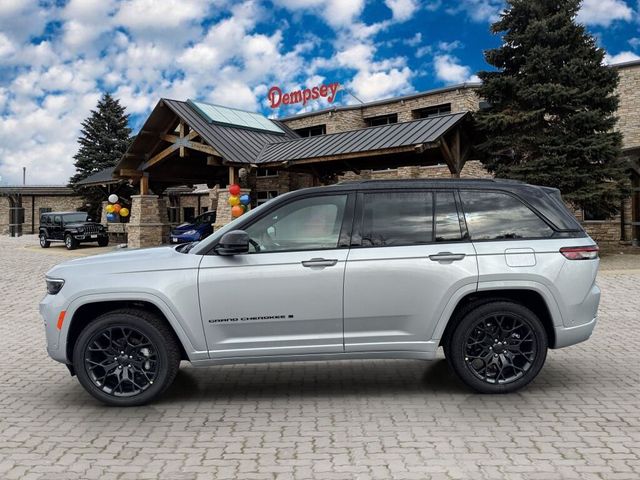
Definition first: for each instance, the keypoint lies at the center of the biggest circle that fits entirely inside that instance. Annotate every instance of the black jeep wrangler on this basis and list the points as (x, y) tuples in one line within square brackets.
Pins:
[(70, 228)]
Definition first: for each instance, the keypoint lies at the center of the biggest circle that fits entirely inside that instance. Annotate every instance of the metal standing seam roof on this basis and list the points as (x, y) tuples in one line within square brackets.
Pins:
[(416, 132), (235, 144)]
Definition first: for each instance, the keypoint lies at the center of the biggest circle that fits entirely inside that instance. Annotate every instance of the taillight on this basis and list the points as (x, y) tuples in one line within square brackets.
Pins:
[(580, 253)]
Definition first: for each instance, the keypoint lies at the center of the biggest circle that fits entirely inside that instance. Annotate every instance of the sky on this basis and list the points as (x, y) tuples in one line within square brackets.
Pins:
[(57, 57)]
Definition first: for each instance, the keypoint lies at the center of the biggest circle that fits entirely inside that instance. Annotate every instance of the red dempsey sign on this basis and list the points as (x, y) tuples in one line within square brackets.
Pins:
[(277, 98)]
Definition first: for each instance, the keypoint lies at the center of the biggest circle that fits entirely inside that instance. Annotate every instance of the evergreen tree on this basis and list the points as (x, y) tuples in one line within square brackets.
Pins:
[(552, 106), (103, 140)]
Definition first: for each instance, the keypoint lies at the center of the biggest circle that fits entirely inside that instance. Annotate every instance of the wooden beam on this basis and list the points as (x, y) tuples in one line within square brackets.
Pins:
[(214, 160), (130, 173), (232, 175), (447, 154), (182, 128), (201, 147), (144, 184), (160, 156)]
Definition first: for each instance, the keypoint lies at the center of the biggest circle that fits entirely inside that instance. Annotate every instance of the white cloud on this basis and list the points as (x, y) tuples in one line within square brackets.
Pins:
[(402, 10), (449, 70), (478, 10), (337, 13), (604, 12), (621, 57)]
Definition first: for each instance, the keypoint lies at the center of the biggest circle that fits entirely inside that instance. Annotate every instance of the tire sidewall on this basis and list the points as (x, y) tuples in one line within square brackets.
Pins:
[(125, 320), (43, 241), (69, 242), (468, 322)]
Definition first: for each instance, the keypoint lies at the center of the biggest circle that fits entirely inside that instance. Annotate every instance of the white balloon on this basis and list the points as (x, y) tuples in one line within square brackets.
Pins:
[(113, 198)]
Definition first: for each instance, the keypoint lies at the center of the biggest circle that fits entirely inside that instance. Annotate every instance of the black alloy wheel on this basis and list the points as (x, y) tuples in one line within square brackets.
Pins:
[(121, 361), (126, 357), (498, 347)]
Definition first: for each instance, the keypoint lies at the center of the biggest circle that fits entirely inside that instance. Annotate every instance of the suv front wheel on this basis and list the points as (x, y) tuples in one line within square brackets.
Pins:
[(44, 243), (126, 357), (70, 242), (498, 347)]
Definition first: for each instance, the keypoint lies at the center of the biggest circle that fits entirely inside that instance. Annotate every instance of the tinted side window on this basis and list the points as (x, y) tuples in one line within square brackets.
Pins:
[(397, 218), (306, 224), (447, 220), (498, 216)]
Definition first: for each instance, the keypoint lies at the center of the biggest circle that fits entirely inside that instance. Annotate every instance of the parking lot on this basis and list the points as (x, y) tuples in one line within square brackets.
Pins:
[(580, 419)]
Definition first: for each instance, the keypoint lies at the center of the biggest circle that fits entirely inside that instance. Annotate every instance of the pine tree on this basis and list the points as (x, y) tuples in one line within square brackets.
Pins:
[(552, 105), (103, 140)]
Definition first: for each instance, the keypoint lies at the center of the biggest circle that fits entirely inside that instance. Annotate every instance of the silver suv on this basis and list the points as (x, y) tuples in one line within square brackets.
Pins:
[(493, 271)]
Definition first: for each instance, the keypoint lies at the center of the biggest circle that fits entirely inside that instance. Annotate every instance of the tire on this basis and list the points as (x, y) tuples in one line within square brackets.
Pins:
[(153, 364), (70, 242), (44, 243), (497, 347), (103, 242)]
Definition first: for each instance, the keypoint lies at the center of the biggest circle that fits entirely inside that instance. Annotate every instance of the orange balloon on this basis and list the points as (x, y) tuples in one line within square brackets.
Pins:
[(117, 207), (236, 211)]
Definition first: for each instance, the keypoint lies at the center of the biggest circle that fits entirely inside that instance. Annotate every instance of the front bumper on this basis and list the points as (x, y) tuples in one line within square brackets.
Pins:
[(50, 308), (91, 237)]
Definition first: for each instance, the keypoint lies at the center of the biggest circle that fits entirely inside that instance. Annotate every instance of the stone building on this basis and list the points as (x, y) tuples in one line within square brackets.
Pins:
[(22, 205)]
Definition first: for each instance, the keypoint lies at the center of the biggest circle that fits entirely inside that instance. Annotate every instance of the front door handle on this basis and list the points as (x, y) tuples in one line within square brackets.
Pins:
[(446, 257), (320, 262)]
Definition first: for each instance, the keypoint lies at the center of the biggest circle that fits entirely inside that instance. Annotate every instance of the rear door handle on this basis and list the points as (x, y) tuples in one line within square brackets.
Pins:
[(320, 262), (446, 257)]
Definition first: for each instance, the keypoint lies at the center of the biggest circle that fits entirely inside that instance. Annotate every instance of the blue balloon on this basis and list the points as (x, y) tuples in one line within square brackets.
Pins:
[(112, 217), (245, 199)]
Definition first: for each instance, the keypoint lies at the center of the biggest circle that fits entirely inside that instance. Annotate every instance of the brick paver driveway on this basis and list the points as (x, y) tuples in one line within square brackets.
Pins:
[(358, 419)]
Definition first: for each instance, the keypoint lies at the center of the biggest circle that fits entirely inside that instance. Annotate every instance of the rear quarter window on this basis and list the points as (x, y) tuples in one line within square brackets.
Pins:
[(500, 216)]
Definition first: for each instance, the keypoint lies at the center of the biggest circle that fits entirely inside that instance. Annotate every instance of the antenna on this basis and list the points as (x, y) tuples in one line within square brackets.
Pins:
[(345, 90)]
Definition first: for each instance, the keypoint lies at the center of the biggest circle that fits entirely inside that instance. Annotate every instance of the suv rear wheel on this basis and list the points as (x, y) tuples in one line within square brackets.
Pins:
[(126, 357), (44, 243), (70, 242), (498, 347)]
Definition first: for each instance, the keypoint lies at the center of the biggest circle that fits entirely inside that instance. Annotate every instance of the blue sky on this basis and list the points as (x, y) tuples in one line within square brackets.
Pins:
[(56, 57)]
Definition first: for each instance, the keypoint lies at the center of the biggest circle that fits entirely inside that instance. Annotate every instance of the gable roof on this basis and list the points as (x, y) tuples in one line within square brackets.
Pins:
[(101, 177), (405, 134)]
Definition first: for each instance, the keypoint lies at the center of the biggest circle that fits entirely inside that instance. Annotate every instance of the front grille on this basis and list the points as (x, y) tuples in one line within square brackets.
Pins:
[(91, 228)]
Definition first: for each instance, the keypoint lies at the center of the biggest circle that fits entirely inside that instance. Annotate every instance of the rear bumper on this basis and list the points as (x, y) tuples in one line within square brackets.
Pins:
[(566, 336)]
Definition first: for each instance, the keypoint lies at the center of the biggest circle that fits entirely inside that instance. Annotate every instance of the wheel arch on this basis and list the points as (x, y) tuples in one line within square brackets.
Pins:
[(530, 298), (84, 313)]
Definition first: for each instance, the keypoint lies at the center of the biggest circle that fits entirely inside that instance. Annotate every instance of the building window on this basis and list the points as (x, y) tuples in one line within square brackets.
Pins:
[(311, 131), (266, 196), (266, 172), (188, 214), (431, 111), (382, 120), (594, 214), (203, 210)]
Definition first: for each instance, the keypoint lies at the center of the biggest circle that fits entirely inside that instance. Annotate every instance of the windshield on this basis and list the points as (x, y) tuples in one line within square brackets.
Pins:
[(205, 244), (75, 217)]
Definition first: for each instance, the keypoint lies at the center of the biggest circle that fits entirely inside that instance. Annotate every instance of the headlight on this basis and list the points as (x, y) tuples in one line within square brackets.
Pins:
[(80, 229), (54, 285)]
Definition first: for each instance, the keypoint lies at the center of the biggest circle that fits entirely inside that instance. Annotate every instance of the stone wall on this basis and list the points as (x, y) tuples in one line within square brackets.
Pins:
[(629, 108), (57, 203), (149, 224), (339, 120)]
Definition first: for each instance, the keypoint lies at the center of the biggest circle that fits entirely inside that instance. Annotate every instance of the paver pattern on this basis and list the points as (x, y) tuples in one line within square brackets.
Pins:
[(580, 419)]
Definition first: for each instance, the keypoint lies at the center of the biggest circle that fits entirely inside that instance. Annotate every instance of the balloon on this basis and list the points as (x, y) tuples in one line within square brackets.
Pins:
[(109, 208), (236, 211), (113, 198), (117, 207), (124, 212), (245, 199), (234, 200), (111, 217), (234, 189), (244, 207)]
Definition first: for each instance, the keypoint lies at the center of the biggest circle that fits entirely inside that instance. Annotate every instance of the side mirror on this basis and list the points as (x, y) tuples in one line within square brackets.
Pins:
[(233, 243)]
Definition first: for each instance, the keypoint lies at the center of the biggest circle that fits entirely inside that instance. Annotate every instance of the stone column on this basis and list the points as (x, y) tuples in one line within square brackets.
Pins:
[(223, 210), (149, 224)]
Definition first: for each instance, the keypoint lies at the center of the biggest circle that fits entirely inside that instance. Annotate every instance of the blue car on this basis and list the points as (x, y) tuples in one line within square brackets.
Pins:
[(201, 227)]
